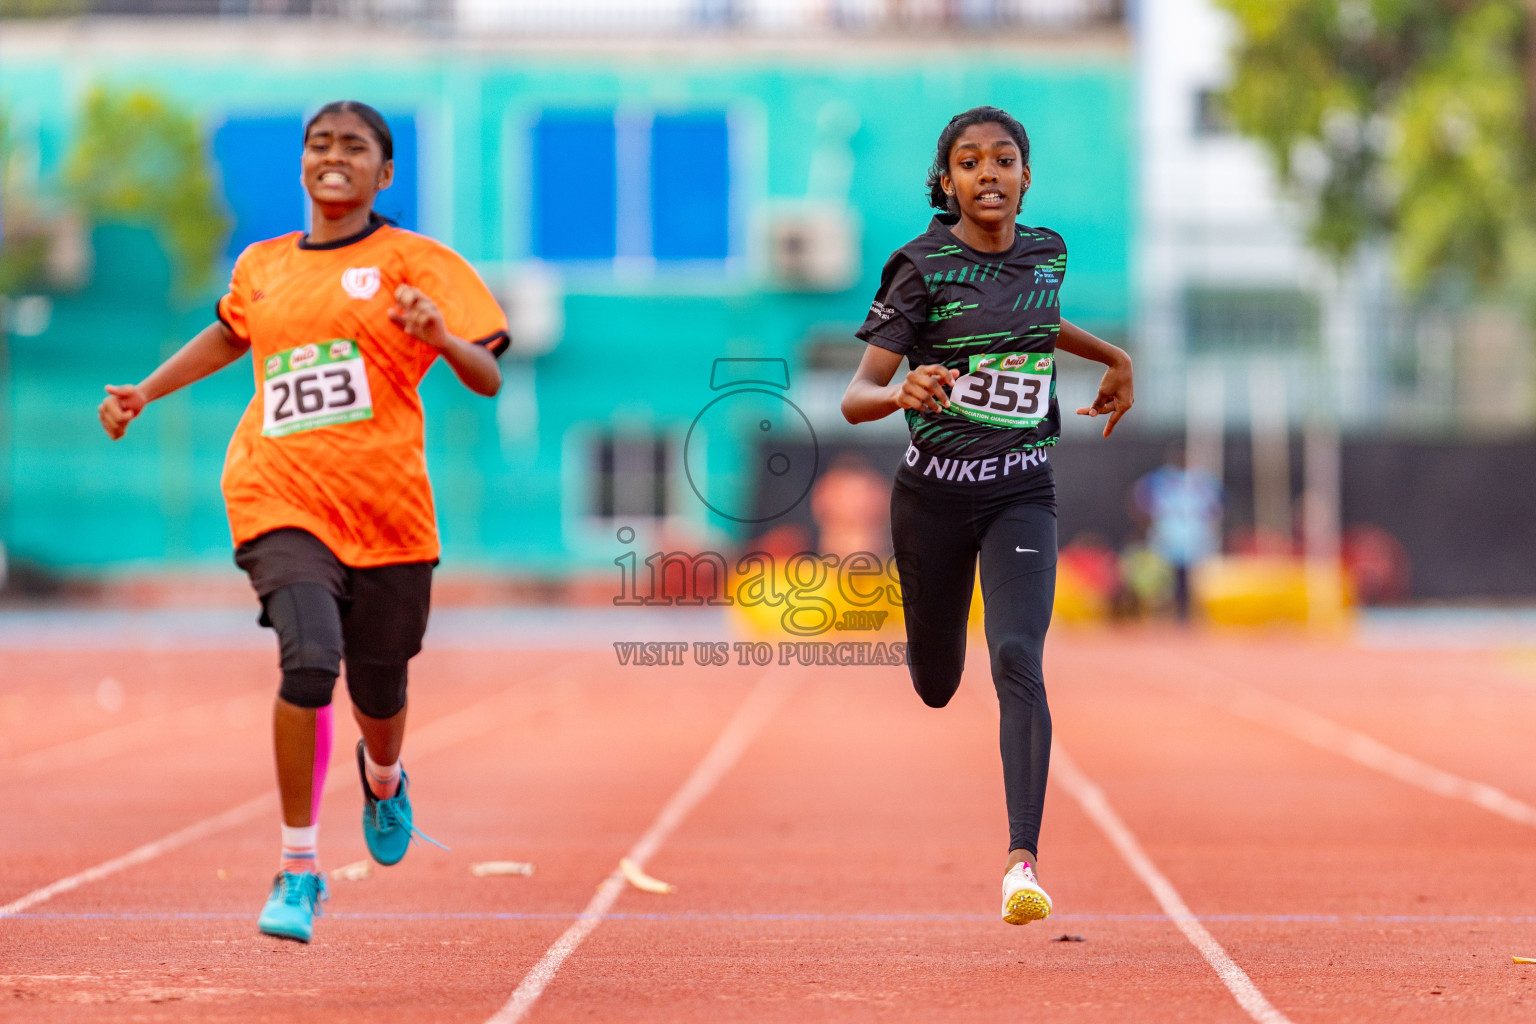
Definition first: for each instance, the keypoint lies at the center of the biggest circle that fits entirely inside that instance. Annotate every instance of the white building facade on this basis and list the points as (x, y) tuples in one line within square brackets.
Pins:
[(1236, 308)]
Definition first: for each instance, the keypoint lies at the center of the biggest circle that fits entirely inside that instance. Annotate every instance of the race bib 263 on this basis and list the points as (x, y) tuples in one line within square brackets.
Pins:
[(1005, 389), (312, 386)]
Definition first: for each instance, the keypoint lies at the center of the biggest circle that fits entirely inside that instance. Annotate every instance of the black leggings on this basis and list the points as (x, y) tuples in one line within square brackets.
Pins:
[(939, 527)]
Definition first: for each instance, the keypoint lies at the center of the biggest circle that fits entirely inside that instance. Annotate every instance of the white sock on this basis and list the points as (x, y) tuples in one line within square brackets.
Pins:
[(383, 779), (300, 849)]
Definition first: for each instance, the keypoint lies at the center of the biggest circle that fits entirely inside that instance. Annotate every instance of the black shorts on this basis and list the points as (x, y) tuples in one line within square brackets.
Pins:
[(383, 608)]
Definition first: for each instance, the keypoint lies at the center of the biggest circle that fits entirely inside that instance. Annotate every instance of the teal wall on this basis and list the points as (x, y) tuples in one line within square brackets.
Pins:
[(634, 351)]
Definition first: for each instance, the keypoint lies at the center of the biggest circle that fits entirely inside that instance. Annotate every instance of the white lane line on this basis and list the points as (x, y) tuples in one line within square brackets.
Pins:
[(466, 723), (1093, 802), (755, 712), (1295, 721), (237, 815)]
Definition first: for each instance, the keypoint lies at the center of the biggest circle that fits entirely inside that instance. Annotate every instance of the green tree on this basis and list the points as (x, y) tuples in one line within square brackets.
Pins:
[(1406, 119), (140, 159), (23, 249), (41, 8)]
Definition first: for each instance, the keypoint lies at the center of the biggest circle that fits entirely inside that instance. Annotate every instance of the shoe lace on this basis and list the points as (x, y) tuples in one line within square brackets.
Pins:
[(396, 813), (305, 888)]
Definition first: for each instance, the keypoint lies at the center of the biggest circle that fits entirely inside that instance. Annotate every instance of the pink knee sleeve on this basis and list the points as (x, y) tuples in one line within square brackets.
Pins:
[(323, 730)]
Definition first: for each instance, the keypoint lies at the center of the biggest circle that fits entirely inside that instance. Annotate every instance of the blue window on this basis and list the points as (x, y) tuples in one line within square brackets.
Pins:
[(671, 202), (259, 162), (399, 201), (575, 186), (690, 187)]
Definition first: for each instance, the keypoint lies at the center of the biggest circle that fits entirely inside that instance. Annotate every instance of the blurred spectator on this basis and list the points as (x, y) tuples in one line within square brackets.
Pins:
[(1183, 508), (851, 504), (1088, 583), (1376, 564), (1147, 579)]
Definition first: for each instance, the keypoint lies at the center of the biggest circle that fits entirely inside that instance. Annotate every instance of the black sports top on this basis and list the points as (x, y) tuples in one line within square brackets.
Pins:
[(992, 316)]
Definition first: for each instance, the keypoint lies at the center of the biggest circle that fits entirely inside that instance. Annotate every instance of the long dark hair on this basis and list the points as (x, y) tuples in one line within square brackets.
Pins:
[(372, 118), (952, 131)]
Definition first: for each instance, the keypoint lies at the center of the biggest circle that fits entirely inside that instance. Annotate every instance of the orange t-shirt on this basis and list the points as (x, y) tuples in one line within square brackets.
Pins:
[(332, 441)]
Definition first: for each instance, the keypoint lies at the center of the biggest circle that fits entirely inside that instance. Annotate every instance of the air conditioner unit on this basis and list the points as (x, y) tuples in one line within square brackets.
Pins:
[(814, 248), (533, 296)]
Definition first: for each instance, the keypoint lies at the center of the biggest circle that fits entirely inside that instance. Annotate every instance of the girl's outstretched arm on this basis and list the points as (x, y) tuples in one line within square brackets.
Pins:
[(1117, 388), (212, 349)]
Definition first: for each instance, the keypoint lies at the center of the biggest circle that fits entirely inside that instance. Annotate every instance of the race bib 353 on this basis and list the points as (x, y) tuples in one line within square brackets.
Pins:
[(313, 386), (1005, 389)]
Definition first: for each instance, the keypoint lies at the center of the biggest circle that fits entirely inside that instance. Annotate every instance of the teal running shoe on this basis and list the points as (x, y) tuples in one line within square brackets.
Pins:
[(293, 906), (387, 825)]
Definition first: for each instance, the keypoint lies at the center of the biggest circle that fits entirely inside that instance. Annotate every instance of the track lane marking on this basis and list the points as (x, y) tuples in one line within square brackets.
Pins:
[(236, 815), (1249, 702), (455, 727), (571, 915), (1093, 802), (755, 712)]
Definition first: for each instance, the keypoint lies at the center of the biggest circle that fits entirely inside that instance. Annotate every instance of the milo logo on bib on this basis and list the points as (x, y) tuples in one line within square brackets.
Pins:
[(1005, 389), (313, 386)]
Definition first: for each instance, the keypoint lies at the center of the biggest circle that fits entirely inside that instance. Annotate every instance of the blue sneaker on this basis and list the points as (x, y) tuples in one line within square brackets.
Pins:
[(387, 825), (291, 909)]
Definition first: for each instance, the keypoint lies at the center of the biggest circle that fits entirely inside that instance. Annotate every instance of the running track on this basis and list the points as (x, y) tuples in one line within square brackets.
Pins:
[(1343, 824)]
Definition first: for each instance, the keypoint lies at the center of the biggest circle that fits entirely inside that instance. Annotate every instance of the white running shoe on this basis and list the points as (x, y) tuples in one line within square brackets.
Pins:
[(1023, 899)]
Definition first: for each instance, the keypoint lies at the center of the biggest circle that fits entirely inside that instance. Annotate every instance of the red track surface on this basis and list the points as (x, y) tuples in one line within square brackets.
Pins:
[(846, 868)]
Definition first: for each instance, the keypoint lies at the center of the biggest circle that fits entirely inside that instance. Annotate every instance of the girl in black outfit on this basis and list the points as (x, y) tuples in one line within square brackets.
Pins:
[(973, 304)]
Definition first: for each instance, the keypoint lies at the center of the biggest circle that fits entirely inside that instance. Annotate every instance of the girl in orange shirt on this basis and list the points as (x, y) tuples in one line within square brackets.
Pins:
[(326, 482)]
